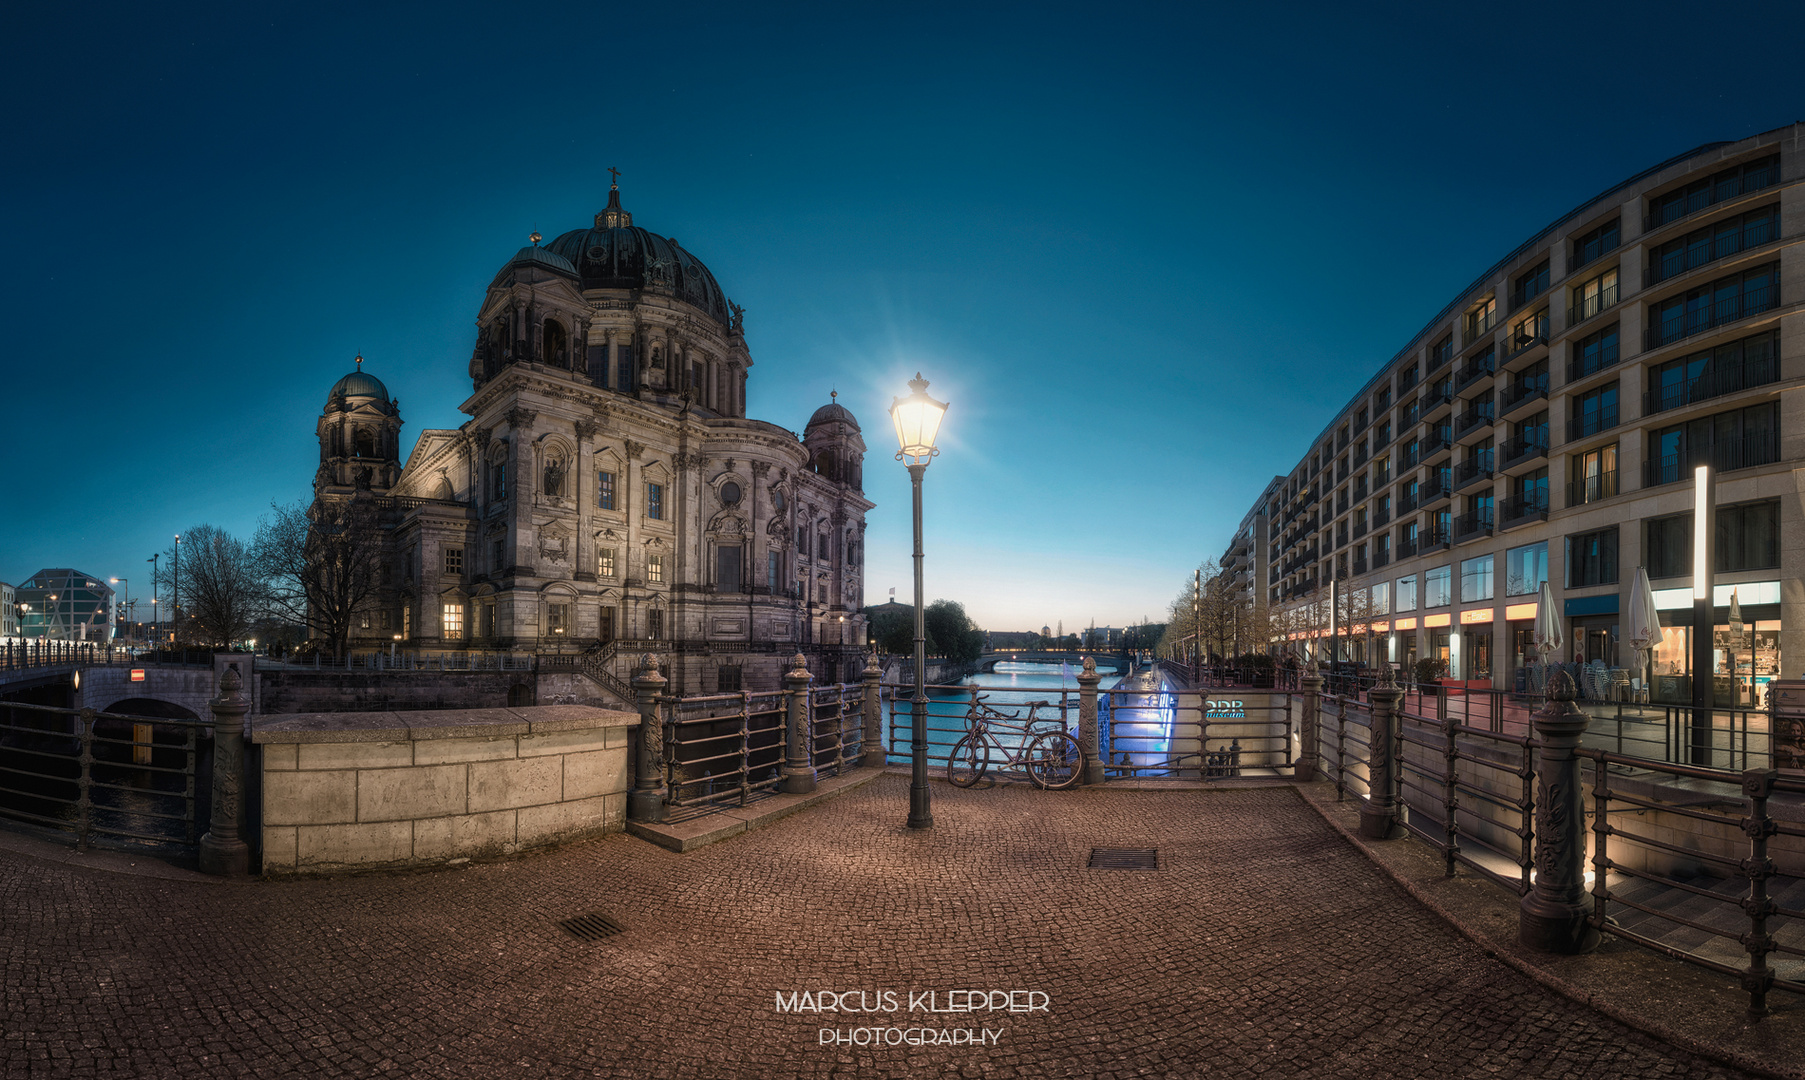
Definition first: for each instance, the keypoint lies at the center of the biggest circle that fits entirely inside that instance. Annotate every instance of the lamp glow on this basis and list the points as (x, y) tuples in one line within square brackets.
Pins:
[(1701, 582), (917, 419)]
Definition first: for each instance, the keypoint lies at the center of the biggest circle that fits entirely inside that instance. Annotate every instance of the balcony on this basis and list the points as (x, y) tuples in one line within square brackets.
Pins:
[(1409, 458), (1382, 436), (1596, 304), (1473, 470), (1359, 488), (1407, 379), (1522, 392), (1341, 537), (1436, 441), (1438, 358), (1436, 537), (1438, 487), (1745, 452), (1381, 558), (1526, 447), (1341, 505), (1682, 320), (1359, 529), (1473, 524), (1594, 251), (1360, 455), (1359, 566), (1518, 509), (1382, 516), (1712, 243), (1591, 423), (1715, 380), (1407, 501), (1412, 414), (1407, 548), (1526, 336), (1475, 369), (1477, 415), (1591, 489), (1437, 398)]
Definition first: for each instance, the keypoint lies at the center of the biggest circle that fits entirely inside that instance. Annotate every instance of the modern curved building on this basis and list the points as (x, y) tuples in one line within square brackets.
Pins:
[(607, 496), (1545, 425)]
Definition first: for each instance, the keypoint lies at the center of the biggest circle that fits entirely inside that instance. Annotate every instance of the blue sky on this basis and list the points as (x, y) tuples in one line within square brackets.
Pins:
[(1144, 250)]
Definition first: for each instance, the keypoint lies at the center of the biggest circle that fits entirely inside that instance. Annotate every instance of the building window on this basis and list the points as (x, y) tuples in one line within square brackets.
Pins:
[(1594, 476), (802, 541), (496, 555), (727, 568), (1722, 301), (454, 561), (1594, 352), (557, 619), (1481, 319), (1668, 544), (604, 490), (1438, 587), (1594, 243), (1718, 187), (1593, 411), (454, 622), (655, 624), (1736, 439), (773, 572), (383, 619), (655, 501), (1594, 296), (604, 562), (1476, 579), (1748, 537), (1525, 569), (1381, 597), (363, 620), (1733, 366), (824, 550), (1407, 594), (1592, 558), (655, 568), (498, 480), (626, 373), (727, 678), (1529, 284), (1715, 241)]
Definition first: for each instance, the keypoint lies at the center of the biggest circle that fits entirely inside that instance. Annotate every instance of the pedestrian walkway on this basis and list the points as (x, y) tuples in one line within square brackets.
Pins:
[(1264, 944)]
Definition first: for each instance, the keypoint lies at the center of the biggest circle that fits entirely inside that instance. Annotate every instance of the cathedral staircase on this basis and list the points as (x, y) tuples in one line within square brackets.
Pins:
[(596, 662)]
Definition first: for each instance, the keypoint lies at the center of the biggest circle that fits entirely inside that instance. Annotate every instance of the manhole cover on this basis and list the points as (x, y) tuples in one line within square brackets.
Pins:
[(591, 927), (1123, 858)]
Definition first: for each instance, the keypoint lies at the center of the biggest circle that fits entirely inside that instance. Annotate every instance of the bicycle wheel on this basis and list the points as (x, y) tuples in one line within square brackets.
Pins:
[(1054, 760), (967, 763)]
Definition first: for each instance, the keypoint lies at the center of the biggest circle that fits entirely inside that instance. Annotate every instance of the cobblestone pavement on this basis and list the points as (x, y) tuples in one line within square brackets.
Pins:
[(1265, 946)]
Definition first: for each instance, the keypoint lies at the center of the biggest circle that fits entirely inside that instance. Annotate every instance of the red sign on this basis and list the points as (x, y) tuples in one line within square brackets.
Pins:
[(137, 674)]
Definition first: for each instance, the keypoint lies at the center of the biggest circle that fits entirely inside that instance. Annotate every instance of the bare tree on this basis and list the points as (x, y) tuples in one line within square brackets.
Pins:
[(222, 588), (323, 564)]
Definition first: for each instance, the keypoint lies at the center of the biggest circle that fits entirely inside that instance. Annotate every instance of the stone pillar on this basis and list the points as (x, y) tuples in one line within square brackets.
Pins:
[(646, 801), (1088, 732), (872, 744), (799, 755), (1309, 727), (222, 851), (1555, 916), (1379, 816)]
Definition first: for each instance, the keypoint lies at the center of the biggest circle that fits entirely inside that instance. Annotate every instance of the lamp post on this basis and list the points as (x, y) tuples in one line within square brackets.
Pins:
[(126, 597), (1704, 561), (156, 627), (917, 419), (176, 601)]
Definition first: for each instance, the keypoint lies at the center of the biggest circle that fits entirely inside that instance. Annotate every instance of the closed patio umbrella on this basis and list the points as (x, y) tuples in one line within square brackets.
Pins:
[(1548, 638), (1644, 621), (1735, 640)]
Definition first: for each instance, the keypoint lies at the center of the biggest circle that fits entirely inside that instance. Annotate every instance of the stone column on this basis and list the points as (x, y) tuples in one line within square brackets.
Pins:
[(1088, 733), (799, 755), (1309, 730), (1555, 916), (222, 851), (646, 801), (872, 744), (1379, 816)]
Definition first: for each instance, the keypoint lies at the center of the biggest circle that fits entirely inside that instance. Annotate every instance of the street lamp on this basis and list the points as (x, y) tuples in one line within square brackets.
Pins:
[(1704, 559), (917, 419), (176, 601), (126, 594)]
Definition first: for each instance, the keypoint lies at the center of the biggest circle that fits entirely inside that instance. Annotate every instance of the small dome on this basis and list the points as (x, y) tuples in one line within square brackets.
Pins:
[(360, 383), (832, 412), (534, 255)]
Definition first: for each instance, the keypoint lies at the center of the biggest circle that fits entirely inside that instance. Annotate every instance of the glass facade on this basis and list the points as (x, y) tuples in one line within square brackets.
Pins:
[(65, 605)]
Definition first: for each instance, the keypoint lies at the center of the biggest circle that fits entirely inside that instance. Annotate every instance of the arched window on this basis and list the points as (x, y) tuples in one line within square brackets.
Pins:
[(498, 479), (827, 465), (557, 344), (363, 443)]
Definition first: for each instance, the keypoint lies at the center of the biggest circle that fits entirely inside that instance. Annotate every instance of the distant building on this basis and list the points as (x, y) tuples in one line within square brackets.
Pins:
[(9, 613), (64, 605), (1014, 639)]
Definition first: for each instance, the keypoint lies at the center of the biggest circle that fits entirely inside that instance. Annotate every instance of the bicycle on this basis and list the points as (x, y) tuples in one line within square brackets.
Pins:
[(1053, 760)]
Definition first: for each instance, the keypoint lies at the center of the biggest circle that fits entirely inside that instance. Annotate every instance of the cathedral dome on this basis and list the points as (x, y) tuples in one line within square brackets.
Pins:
[(616, 254), (360, 383), (830, 413)]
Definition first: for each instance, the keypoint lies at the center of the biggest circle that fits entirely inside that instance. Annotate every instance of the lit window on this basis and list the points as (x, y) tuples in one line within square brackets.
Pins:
[(604, 563), (654, 568), (454, 622), (557, 619)]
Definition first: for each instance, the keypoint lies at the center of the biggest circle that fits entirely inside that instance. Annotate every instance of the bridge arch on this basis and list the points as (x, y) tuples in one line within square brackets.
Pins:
[(151, 707)]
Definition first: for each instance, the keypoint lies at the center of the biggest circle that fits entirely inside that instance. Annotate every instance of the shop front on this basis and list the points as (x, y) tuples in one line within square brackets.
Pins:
[(1743, 663)]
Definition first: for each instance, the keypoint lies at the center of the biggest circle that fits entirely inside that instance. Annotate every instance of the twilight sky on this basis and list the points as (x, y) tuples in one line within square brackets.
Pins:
[(1146, 251)]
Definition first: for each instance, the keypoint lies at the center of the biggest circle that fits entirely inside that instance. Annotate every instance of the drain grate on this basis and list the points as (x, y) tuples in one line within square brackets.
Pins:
[(1123, 858), (591, 927)]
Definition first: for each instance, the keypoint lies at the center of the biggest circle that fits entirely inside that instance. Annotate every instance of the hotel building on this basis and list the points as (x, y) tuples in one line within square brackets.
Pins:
[(1545, 425)]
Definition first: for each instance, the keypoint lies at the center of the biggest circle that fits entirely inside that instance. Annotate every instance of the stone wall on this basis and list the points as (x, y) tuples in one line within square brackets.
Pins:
[(328, 691), (361, 790)]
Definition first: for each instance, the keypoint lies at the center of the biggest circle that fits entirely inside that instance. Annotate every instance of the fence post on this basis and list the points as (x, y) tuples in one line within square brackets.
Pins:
[(799, 758), (1379, 816), (1088, 731), (646, 801), (1309, 727), (1555, 916), (871, 745), (1758, 785), (222, 851)]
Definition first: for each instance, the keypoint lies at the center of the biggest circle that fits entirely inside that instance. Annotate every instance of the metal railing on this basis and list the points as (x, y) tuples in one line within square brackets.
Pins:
[(1523, 390), (730, 747), (117, 775), (1746, 452), (1596, 304), (1715, 380), (1473, 524), (1525, 447), (1533, 504), (1347, 719), (1591, 423), (1590, 489), (1156, 735), (836, 728), (1699, 310)]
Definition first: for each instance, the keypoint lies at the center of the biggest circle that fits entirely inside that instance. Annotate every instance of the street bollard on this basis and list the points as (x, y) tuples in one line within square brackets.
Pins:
[(1089, 736), (871, 746), (1556, 915), (799, 757), (1379, 815), (646, 801), (1309, 727), (222, 851)]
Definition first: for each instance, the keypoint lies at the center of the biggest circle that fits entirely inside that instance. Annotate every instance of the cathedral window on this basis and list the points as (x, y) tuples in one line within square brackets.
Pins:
[(655, 501), (802, 541), (498, 480), (557, 619), (727, 568), (626, 377), (730, 494), (655, 569), (604, 562), (363, 443), (727, 678), (496, 554), (454, 622), (604, 490), (454, 561), (655, 624), (383, 619), (773, 572)]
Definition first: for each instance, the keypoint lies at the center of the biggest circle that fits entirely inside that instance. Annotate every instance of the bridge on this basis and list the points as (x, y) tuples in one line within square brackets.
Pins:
[(117, 683), (1112, 661)]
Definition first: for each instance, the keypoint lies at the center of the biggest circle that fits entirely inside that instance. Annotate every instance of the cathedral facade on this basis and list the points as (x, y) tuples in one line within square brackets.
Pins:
[(608, 495)]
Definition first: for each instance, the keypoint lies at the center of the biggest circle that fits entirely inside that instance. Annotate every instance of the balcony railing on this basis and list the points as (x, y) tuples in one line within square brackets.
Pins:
[(1359, 529), (1715, 380), (1520, 448), (1341, 505), (1381, 558), (1407, 379), (1714, 242), (1591, 489), (1359, 566), (1473, 469), (1478, 415), (1592, 253), (1744, 452), (1437, 441), (1523, 390), (1580, 367), (1602, 300), (1359, 488), (1435, 397), (1436, 536), (1473, 524), (1439, 486), (1407, 547), (1684, 320), (1381, 516), (1526, 336), (1532, 505), (1407, 501), (1412, 454), (1591, 423), (1360, 455), (1706, 194), (1411, 415), (1486, 363)]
